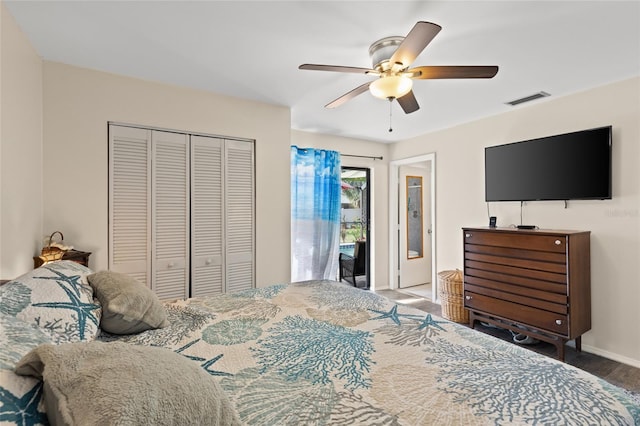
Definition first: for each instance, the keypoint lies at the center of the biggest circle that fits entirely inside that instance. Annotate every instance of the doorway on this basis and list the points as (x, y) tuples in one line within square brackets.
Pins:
[(355, 219), (411, 231)]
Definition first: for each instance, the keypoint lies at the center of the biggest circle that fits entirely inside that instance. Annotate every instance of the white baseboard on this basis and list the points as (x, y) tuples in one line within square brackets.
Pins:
[(611, 356)]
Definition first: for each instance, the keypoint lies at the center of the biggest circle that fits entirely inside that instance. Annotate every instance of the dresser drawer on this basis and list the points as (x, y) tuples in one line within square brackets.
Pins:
[(552, 302), (525, 315), (552, 243), (517, 262)]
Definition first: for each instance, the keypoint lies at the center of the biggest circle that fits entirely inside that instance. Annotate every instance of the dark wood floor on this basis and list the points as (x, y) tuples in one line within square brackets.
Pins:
[(614, 372)]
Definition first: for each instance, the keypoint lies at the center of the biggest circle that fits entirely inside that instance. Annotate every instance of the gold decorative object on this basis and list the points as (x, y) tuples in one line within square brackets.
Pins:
[(52, 252)]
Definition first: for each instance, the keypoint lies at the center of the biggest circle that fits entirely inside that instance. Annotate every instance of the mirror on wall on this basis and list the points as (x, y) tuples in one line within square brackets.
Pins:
[(414, 217)]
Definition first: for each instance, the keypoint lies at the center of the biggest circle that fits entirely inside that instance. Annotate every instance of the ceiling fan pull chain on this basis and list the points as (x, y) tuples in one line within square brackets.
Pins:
[(390, 102)]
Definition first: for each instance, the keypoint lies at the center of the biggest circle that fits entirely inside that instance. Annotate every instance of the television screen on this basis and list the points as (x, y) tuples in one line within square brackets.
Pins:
[(571, 166)]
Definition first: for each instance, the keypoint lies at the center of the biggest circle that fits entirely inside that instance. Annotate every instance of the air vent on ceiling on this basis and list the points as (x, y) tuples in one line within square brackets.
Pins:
[(528, 98)]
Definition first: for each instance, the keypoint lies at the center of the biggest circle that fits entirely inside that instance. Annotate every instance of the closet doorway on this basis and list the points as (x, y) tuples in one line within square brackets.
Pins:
[(412, 219), (355, 221), (181, 211)]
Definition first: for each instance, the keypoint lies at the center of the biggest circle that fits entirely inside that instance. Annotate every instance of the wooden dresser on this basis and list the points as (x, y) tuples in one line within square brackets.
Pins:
[(534, 282)]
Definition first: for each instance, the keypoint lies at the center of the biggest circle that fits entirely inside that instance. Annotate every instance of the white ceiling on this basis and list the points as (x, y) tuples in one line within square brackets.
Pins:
[(252, 49)]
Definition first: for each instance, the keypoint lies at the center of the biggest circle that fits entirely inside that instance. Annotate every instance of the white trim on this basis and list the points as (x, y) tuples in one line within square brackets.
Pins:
[(393, 218), (189, 132), (612, 356)]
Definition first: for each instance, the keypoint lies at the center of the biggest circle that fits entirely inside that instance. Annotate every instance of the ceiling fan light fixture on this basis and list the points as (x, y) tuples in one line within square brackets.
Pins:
[(391, 58), (391, 87)]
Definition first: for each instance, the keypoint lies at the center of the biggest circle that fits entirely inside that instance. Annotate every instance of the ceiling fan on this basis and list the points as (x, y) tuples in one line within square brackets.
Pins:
[(391, 57)]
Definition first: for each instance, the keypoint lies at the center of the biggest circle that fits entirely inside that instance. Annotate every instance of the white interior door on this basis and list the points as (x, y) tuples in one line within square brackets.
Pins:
[(414, 225), (170, 214), (181, 211), (239, 215), (130, 202), (207, 216)]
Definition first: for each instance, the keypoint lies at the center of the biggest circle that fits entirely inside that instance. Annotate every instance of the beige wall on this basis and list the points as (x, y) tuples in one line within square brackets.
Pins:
[(78, 104), (379, 190), (20, 150), (614, 224)]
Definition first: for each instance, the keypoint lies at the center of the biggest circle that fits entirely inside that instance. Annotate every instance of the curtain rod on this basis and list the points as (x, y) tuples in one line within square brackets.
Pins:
[(362, 156)]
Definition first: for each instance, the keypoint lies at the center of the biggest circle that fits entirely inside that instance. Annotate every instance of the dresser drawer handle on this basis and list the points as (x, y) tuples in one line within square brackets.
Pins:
[(559, 322), (468, 235), (468, 297), (558, 242)]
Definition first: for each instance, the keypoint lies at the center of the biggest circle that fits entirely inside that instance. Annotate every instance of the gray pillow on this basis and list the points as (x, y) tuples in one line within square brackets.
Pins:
[(97, 383), (128, 307)]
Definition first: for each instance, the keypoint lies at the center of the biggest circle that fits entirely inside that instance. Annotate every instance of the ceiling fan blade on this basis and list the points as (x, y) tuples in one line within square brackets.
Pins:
[(349, 95), (414, 43), (337, 68), (454, 71), (408, 103)]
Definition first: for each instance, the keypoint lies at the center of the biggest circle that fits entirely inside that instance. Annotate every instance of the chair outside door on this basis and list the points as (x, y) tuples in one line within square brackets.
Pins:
[(354, 266)]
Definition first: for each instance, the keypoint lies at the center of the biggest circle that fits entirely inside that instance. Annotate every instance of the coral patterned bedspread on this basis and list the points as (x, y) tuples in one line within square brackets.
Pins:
[(321, 352)]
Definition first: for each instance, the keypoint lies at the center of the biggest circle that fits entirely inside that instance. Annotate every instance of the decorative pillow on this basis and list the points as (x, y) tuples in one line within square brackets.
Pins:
[(21, 401), (17, 337), (57, 299), (120, 383), (128, 306), (20, 397)]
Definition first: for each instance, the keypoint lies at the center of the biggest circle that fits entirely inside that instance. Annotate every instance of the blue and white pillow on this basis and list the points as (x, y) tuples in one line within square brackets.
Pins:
[(17, 338), (57, 299), (20, 396), (21, 401)]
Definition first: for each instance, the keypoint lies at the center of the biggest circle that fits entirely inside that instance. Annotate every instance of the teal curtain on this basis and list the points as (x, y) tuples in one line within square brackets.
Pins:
[(315, 213)]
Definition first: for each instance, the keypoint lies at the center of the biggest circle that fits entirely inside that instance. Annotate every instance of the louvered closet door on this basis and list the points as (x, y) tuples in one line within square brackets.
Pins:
[(239, 197), (170, 213), (207, 218), (130, 202)]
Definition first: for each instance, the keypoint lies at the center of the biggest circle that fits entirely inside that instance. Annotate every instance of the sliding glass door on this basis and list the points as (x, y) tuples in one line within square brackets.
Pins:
[(354, 224)]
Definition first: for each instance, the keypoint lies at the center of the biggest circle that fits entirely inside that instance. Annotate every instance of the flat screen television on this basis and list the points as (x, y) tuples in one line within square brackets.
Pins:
[(571, 166)]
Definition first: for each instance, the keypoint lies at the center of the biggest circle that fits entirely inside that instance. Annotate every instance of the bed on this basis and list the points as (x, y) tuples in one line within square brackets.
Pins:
[(316, 352)]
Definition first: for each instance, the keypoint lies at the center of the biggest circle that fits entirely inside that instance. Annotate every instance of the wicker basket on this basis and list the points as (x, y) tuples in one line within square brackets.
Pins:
[(51, 253), (451, 295)]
